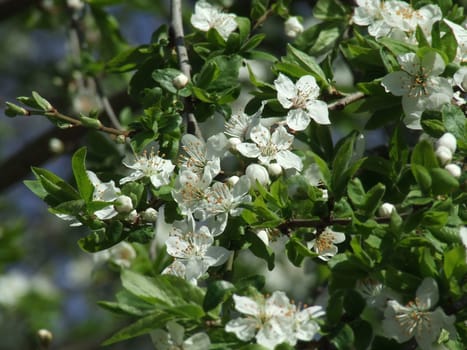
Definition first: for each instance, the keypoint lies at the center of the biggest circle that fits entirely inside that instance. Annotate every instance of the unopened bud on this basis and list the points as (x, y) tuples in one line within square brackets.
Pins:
[(75, 4), (274, 169), (448, 140), (443, 154), (56, 145), (91, 122), (123, 204), (121, 139), (256, 172), (45, 337), (386, 210), (234, 142), (150, 215), (263, 235), (454, 169), (293, 27), (132, 216), (180, 81), (232, 180), (13, 110)]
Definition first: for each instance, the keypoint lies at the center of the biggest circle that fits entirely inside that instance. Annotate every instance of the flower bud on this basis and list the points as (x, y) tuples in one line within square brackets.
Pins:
[(386, 210), (122, 254), (263, 235), (293, 27), (448, 140), (75, 4), (443, 154), (256, 172), (56, 145), (274, 169), (91, 122), (454, 169), (150, 215), (120, 139), (123, 204), (234, 142), (132, 216), (45, 337), (180, 81), (232, 180)]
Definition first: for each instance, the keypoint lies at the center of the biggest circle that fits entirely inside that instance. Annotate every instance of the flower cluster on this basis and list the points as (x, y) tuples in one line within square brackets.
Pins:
[(396, 19), (273, 320)]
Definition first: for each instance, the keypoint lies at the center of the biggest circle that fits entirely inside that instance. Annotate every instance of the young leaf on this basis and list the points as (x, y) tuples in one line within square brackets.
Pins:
[(78, 163)]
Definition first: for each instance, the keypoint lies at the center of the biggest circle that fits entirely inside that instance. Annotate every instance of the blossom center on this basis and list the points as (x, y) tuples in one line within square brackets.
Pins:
[(324, 241)]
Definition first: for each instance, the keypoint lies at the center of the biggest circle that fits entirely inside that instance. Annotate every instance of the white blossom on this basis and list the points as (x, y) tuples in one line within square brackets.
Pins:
[(447, 140), (203, 157), (443, 154), (123, 204), (223, 200), (273, 320), (239, 125), (256, 172), (323, 244), (190, 192), (454, 169), (370, 13), (207, 16), (174, 339), (180, 81), (460, 33), (149, 215), (271, 148), (415, 318), (192, 246), (301, 100), (419, 84), (150, 165), (104, 192), (122, 254), (386, 209), (293, 27)]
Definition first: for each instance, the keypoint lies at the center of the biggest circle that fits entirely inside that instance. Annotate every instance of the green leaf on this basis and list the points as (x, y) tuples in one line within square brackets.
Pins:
[(144, 325), (330, 10), (455, 122), (454, 263), (128, 60), (324, 169), (217, 292), (56, 187), (308, 63), (259, 249), (373, 198), (244, 27), (162, 290), (209, 72), (258, 8), (427, 263), (443, 182), (103, 238), (423, 177), (424, 155), (41, 102), (341, 163), (353, 303), (78, 163), (165, 78), (356, 192)]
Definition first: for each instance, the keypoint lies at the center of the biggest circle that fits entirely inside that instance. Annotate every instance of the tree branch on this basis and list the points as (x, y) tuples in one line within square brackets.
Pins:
[(182, 53), (346, 100)]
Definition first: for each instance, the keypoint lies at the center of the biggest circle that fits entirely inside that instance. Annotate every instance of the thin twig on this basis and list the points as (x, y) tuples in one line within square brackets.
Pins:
[(346, 100), (183, 60), (77, 43)]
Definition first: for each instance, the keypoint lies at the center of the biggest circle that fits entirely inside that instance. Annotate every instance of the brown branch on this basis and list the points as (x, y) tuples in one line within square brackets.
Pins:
[(36, 152), (176, 25), (346, 100)]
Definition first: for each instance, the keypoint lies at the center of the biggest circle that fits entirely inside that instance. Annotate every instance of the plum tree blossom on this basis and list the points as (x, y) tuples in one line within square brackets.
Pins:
[(273, 320), (323, 244), (193, 250), (271, 148), (150, 165), (301, 100), (207, 16), (104, 192), (419, 84), (221, 199), (415, 318)]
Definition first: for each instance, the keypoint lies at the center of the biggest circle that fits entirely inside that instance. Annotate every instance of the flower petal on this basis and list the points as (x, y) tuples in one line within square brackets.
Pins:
[(298, 119)]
